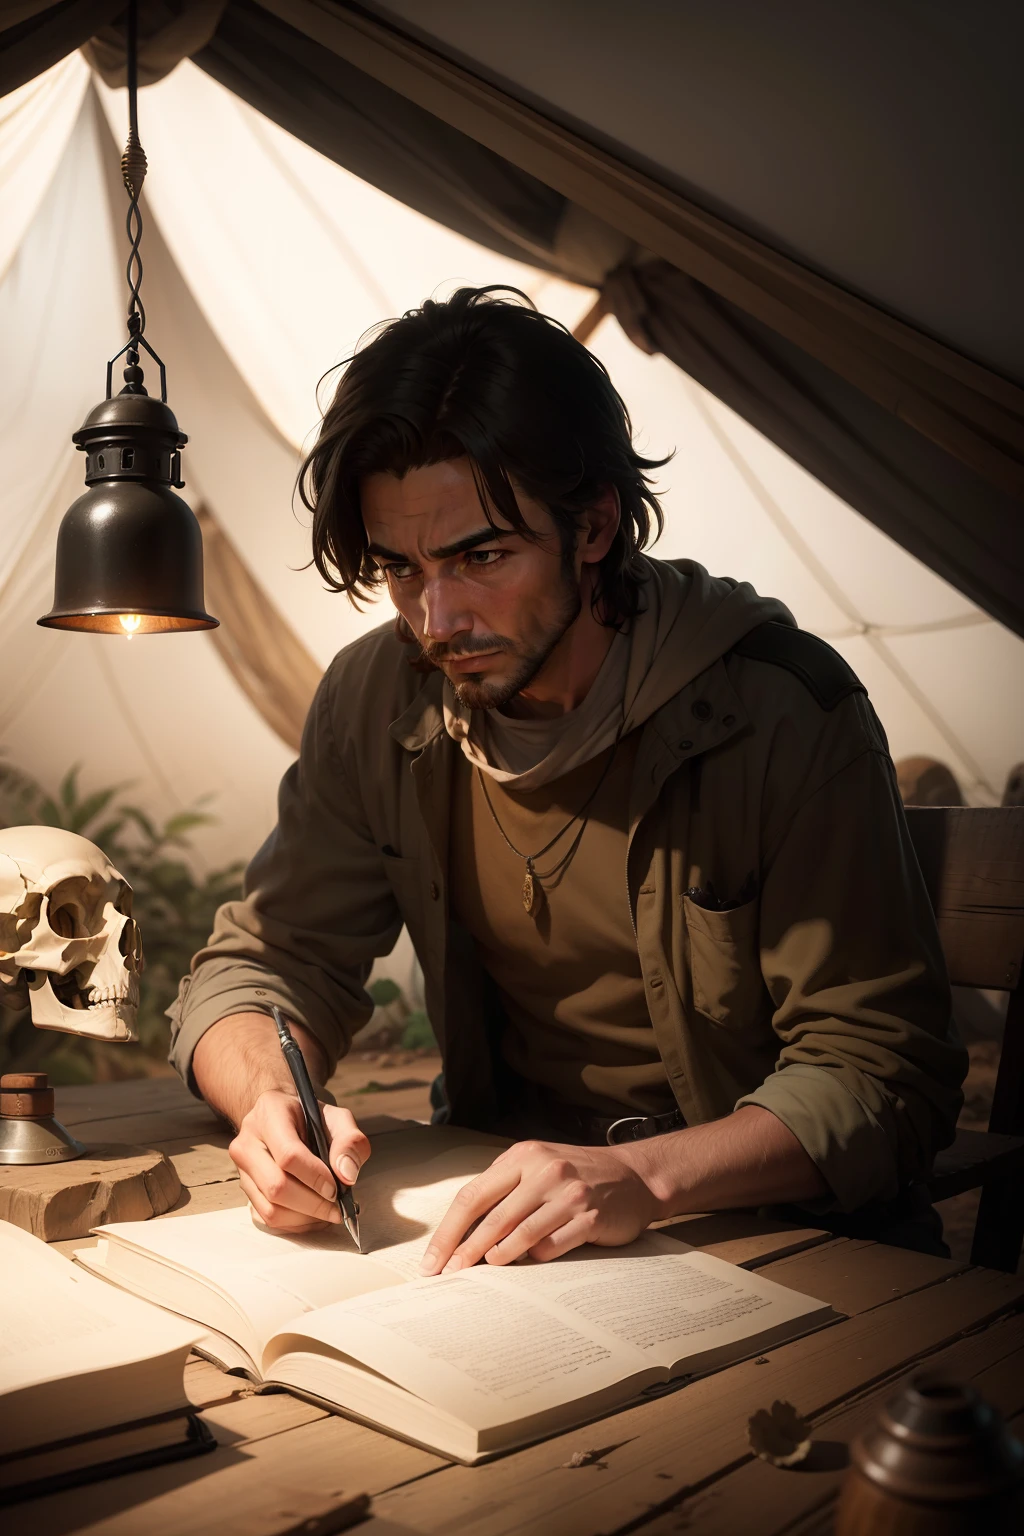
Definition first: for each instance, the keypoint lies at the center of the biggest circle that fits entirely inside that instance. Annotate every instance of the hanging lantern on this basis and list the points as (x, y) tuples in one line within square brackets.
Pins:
[(130, 552)]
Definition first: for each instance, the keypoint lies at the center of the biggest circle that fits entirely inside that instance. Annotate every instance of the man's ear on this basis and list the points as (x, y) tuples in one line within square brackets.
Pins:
[(598, 526)]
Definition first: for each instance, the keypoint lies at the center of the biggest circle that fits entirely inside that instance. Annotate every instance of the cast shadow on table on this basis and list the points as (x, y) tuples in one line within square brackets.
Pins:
[(825, 1456), (77, 1507)]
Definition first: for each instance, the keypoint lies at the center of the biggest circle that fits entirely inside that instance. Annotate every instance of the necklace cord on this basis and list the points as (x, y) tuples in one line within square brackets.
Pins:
[(581, 813)]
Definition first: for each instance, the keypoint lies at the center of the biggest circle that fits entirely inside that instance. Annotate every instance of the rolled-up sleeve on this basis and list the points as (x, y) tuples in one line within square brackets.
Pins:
[(869, 1072), (317, 910)]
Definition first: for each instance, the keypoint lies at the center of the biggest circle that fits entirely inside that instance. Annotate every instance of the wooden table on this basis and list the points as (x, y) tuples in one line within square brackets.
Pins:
[(677, 1463)]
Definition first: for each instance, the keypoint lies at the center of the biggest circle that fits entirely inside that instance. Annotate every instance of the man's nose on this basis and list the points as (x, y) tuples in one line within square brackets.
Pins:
[(444, 612)]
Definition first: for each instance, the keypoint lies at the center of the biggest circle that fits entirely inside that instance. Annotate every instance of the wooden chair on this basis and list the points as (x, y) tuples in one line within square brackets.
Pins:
[(973, 864)]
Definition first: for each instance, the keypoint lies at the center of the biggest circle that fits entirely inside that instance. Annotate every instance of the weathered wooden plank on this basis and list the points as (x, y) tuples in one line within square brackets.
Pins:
[(972, 859), (206, 1383), (262, 1487), (108, 1183), (743, 1237), (680, 1441), (207, 1197), (193, 1120), (854, 1276), (141, 1096), (959, 1167), (201, 1162), (250, 1416), (768, 1499)]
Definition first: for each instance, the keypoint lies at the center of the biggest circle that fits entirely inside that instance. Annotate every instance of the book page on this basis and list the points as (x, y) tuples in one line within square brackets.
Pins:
[(667, 1300), (400, 1208), (479, 1351), (268, 1280), (61, 1332), (494, 1344), (55, 1320)]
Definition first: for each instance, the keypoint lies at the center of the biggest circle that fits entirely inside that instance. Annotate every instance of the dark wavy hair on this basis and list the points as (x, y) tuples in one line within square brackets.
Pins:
[(482, 375)]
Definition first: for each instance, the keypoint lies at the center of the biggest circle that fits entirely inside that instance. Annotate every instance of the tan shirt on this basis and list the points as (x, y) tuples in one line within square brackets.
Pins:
[(569, 976)]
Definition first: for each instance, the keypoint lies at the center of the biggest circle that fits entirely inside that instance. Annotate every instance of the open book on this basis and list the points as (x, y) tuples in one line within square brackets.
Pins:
[(87, 1377), (469, 1364)]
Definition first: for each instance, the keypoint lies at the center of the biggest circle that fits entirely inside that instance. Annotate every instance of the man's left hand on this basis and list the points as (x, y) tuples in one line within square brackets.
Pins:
[(542, 1199)]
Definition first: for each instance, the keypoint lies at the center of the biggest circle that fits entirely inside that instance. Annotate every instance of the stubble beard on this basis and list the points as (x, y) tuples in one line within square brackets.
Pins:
[(474, 692)]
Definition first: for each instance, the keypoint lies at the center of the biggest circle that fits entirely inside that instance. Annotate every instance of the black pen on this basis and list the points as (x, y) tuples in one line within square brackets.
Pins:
[(316, 1132)]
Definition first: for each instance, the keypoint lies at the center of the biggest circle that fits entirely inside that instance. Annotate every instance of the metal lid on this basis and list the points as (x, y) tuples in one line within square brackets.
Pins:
[(129, 415)]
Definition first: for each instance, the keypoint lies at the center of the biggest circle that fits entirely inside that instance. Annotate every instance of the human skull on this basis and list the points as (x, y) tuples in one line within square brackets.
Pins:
[(67, 936)]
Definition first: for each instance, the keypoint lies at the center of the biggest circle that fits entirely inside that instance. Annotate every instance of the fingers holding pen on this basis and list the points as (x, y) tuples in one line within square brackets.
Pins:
[(350, 1147), (288, 1186)]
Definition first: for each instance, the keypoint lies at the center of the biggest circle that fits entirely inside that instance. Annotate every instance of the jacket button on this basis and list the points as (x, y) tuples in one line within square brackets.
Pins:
[(434, 892), (701, 710), (655, 982), (684, 746)]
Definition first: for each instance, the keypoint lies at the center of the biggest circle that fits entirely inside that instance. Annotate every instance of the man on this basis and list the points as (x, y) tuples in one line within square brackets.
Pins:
[(645, 835)]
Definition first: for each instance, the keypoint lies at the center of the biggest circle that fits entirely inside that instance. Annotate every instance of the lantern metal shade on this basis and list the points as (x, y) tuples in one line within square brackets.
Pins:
[(129, 552)]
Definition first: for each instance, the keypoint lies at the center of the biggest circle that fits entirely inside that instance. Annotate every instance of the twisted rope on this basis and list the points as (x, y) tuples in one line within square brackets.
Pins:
[(133, 172)]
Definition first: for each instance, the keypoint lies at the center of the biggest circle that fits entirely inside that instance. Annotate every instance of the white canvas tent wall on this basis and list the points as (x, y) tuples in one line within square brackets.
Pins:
[(264, 264)]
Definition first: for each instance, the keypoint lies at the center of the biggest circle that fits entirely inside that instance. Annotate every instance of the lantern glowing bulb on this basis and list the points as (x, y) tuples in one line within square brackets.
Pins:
[(130, 623)]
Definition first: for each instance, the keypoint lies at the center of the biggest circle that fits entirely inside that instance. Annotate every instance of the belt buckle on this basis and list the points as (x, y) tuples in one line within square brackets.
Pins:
[(614, 1141)]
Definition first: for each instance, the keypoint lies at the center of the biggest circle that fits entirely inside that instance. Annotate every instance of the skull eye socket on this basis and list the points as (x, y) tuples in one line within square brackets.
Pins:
[(75, 907)]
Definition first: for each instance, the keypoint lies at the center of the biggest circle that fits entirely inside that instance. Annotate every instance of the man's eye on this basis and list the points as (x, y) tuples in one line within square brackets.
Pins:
[(399, 572), (485, 556)]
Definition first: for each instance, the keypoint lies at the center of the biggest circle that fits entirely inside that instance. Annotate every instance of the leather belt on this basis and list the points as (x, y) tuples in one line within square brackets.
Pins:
[(641, 1127), (529, 1112)]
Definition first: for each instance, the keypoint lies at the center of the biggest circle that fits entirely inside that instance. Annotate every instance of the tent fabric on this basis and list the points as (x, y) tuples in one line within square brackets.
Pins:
[(225, 257), (38, 34), (469, 153), (34, 131), (260, 648), (936, 507), (877, 144), (171, 32)]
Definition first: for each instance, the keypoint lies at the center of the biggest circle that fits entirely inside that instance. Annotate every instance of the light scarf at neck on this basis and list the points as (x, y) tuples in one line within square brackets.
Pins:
[(688, 621), (532, 752)]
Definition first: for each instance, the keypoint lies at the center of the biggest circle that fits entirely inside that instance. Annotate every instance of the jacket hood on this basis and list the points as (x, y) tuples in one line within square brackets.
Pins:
[(690, 620)]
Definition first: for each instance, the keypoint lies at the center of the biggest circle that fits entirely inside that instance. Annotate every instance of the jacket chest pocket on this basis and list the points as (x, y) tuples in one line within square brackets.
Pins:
[(725, 963)]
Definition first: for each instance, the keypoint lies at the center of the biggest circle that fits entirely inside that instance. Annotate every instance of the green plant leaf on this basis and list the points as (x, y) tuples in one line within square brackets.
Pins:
[(384, 991), (142, 821), (106, 837), (86, 811), (185, 821), (68, 790), (418, 1034)]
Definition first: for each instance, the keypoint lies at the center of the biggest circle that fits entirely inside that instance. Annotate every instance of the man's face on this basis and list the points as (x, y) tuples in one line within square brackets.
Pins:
[(487, 605)]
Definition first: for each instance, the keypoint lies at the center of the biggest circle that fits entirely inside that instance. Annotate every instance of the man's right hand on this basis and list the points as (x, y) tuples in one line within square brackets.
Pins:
[(241, 1073), (286, 1184)]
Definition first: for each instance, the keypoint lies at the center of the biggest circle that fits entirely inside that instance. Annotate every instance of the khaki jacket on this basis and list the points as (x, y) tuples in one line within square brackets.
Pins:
[(823, 998)]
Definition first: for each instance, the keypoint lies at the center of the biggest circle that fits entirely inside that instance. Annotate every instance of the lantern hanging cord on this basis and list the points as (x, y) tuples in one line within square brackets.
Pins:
[(133, 172)]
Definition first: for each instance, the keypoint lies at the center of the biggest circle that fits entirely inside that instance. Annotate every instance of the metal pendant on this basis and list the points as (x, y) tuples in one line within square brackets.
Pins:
[(530, 888)]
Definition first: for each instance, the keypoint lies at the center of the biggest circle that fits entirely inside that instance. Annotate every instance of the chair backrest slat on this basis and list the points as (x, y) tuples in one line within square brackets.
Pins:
[(972, 859)]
